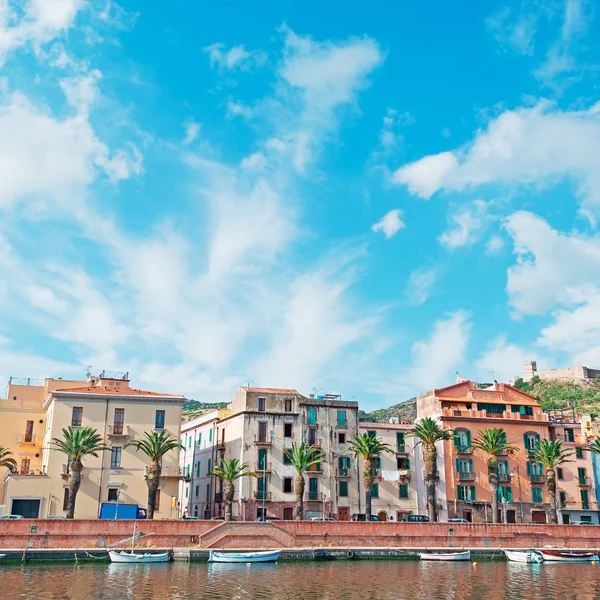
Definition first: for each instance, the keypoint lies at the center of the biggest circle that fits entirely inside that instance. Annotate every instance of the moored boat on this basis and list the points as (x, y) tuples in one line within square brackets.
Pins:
[(243, 557), (527, 556), (557, 556), (134, 558), (2, 555), (451, 556)]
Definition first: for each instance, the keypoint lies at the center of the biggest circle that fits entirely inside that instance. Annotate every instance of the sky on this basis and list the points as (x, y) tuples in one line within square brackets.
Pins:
[(361, 198)]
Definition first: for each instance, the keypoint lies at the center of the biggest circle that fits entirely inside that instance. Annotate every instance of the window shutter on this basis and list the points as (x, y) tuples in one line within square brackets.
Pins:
[(456, 439), (506, 466), (473, 495), (459, 494), (457, 465), (470, 465), (468, 438), (525, 439), (508, 494), (529, 468)]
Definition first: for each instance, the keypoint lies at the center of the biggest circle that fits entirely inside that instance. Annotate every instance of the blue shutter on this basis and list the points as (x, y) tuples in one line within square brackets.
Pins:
[(470, 465)]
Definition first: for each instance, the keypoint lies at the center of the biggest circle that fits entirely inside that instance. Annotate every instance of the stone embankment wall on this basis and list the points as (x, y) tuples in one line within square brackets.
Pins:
[(53, 533)]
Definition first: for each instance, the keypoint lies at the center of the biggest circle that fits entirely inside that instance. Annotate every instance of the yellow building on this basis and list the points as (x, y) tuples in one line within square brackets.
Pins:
[(33, 414)]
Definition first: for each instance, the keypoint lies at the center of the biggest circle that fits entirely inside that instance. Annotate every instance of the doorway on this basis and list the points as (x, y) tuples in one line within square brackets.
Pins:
[(382, 515), (288, 514), (511, 516), (538, 516), (566, 519), (343, 514), (28, 509), (468, 515)]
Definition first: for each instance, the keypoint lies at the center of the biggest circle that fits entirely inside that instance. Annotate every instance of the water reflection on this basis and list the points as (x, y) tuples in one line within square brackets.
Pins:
[(350, 580)]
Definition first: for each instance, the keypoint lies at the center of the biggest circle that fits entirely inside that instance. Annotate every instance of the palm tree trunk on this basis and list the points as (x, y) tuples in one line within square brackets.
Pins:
[(75, 469), (152, 480), (493, 481), (551, 482), (299, 489), (430, 463), (368, 483), (229, 489)]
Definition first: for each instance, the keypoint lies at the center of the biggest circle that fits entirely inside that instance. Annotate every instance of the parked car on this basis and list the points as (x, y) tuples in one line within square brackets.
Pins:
[(322, 519), (415, 518), (188, 518), (457, 520), (12, 517), (263, 519), (220, 519), (363, 517)]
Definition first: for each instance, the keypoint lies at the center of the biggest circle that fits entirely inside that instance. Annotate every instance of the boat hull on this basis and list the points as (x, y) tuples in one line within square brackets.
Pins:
[(554, 556), (523, 557), (136, 559), (447, 556), (243, 557)]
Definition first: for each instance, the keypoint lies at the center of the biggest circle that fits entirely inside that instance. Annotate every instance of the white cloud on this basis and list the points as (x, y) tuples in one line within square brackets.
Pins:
[(514, 29), (237, 109), (254, 161), (419, 284), (237, 57), (526, 146), (494, 245), (192, 129), (390, 224), (435, 360), (502, 360), (466, 225)]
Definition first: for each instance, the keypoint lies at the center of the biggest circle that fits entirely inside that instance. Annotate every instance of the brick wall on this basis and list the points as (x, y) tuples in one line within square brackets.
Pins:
[(53, 533)]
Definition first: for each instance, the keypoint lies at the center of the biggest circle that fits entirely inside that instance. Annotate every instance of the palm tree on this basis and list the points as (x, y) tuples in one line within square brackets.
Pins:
[(550, 454), (6, 460), (368, 446), (428, 432), (302, 457), (229, 471), (77, 443), (493, 443), (154, 446)]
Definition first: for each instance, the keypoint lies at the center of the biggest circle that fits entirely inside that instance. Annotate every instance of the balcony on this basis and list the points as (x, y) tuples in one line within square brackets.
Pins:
[(220, 445), (404, 474), (343, 473), (118, 431), (584, 482), (402, 450), (64, 471), (466, 476), (315, 470), (464, 449), (314, 444), (264, 467), (262, 495), (27, 438), (504, 477), (483, 414), (262, 440), (171, 472), (530, 452), (536, 478), (314, 496)]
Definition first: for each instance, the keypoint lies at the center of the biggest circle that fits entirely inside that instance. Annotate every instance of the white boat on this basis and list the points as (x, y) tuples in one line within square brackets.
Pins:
[(2, 555), (466, 555), (243, 557), (132, 557), (557, 556), (528, 556)]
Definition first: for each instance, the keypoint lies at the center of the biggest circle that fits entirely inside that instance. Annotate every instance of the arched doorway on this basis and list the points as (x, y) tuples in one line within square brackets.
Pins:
[(382, 515)]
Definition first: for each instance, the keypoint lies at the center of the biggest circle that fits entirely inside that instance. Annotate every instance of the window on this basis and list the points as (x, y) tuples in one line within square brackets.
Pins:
[(189, 444), (531, 441), (581, 476), (113, 494), (288, 405), (287, 485), (403, 463), (157, 500), (197, 491), (559, 473), (77, 416), (343, 489), (579, 452), (187, 491), (404, 490), (115, 457), (569, 436), (376, 465), (119, 420), (342, 438), (538, 497), (66, 499), (286, 458), (261, 490), (562, 498), (462, 439), (372, 434), (524, 410), (344, 466), (503, 467), (197, 470), (313, 487), (585, 501), (28, 432), (341, 419), (464, 465), (207, 492), (466, 493), (312, 436), (159, 419), (400, 441), (312, 416), (375, 490), (287, 430), (262, 404), (199, 442), (262, 459), (209, 467), (262, 432), (492, 409), (188, 470), (585, 519), (210, 434), (505, 492), (25, 464)]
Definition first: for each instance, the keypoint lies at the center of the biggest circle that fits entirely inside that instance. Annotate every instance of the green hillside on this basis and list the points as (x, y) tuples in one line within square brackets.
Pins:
[(194, 408), (404, 411), (583, 396)]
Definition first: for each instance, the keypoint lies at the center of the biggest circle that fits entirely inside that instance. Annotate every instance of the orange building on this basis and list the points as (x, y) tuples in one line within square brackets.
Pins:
[(463, 489)]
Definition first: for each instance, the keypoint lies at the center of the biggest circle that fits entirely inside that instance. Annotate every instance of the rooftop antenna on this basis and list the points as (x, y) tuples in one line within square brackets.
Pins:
[(89, 371)]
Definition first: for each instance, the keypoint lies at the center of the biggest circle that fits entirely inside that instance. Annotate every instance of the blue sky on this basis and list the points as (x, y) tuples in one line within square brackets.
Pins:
[(354, 197)]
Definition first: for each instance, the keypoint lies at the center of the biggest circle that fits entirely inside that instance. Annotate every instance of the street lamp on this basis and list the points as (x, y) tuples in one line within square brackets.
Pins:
[(117, 507)]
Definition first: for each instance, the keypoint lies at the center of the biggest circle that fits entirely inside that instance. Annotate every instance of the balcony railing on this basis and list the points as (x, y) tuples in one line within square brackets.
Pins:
[(171, 472), (402, 450), (262, 495), (118, 431), (313, 496), (315, 470), (314, 443), (263, 467), (27, 438), (504, 477), (536, 478), (466, 476), (584, 482), (64, 471), (404, 473), (262, 440), (483, 414), (460, 449), (220, 445)]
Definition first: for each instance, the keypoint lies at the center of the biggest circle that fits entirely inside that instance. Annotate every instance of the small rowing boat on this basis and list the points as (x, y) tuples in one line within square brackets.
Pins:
[(2, 555), (133, 558), (556, 556), (528, 556), (446, 555), (243, 557)]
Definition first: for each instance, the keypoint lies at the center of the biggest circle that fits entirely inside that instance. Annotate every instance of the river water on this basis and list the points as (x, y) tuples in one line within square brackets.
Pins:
[(347, 580)]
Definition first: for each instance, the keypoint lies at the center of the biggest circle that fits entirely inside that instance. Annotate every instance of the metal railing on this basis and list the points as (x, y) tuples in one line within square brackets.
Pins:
[(584, 482), (460, 449), (263, 440), (312, 496), (504, 477), (401, 449), (536, 478), (118, 431), (262, 495), (262, 467), (466, 476)]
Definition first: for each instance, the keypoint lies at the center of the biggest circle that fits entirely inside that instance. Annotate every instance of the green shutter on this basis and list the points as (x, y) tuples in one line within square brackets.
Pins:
[(343, 489), (262, 459), (473, 494), (375, 491), (470, 465), (537, 495), (403, 490), (468, 438), (457, 465), (506, 467), (529, 468), (456, 439), (525, 440), (508, 491), (500, 493)]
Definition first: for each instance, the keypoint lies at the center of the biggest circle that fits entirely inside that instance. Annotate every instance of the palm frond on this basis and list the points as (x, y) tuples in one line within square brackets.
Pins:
[(155, 444), (367, 446), (302, 456), (429, 431), (231, 470)]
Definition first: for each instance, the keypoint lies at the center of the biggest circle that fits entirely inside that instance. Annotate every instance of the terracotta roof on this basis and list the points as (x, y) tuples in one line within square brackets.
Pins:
[(270, 390), (123, 391)]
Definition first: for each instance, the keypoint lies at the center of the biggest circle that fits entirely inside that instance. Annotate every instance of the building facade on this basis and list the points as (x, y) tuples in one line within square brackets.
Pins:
[(120, 414)]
